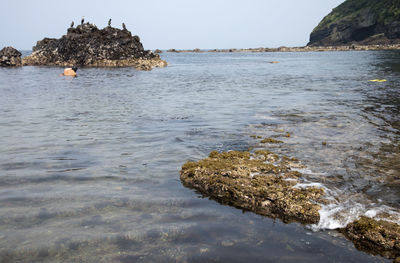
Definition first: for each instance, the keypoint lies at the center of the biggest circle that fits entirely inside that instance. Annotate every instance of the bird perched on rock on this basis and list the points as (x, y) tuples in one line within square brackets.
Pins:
[(83, 20), (123, 26), (109, 22), (72, 24)]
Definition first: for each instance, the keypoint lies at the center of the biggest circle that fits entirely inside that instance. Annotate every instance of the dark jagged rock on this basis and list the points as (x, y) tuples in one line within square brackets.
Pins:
[(365, 22), (86, 45), (247, 181), (10, 57)]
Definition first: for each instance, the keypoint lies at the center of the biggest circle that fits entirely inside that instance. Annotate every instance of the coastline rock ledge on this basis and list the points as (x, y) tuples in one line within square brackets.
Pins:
[(88, 46)]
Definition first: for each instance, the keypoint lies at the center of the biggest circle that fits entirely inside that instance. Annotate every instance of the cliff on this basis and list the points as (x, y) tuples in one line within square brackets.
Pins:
[(366, 22), (86, 45)]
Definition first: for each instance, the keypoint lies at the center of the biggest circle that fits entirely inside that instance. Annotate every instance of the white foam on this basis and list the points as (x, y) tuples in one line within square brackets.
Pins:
[(338, 215), (308, 184), (327, 220), (306, 171), (394, 215), (253, 174), (371, 213), (335, 216), (265, 117), (303, 170), (345, 207), (290, 179)]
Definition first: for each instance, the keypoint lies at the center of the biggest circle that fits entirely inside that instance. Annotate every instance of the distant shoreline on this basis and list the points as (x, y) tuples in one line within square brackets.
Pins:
[(289, 49)]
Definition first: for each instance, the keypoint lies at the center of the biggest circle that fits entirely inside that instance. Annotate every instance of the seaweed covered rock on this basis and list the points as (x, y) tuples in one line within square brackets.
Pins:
[(10, 57), (379, 237), (86, 45), (251, 182)]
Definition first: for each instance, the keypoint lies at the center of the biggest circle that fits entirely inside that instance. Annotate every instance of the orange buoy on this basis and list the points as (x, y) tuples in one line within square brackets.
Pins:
[(70, 71)]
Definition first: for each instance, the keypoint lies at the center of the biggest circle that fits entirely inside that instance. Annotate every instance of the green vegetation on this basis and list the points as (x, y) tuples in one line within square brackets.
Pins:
[(386, 11)]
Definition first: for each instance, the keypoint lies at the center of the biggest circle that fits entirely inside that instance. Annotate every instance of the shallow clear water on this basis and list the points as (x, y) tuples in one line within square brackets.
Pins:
[(89, 166)]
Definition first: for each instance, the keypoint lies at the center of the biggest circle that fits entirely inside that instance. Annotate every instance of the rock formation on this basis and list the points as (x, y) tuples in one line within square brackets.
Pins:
[(252, 182), (346, 47), (263, 182), (86, 45), (365, 22), (267, 184), (375, 236), (10, 57)]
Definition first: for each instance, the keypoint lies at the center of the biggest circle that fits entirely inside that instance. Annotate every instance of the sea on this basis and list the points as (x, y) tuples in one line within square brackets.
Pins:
[(89, 166)]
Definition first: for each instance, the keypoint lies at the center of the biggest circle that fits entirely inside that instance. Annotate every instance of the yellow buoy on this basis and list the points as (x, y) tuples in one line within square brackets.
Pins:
[(377, 80)]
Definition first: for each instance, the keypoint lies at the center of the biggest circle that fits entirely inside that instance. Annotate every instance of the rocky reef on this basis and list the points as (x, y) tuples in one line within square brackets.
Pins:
[(268, 184), (365, 22), (88, 46), (10, 57), (250, 182), (347, 47)]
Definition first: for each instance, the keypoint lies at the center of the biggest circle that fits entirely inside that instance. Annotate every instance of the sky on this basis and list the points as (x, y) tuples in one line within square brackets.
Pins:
[(165, 24)]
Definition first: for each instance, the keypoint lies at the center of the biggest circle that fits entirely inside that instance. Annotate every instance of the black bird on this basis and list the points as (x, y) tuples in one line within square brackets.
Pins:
[(72, 24), (123, 26), (83, 20), (109, 22)]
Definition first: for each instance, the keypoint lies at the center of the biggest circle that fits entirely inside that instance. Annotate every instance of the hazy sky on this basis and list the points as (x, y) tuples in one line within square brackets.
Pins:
[(168, 24)]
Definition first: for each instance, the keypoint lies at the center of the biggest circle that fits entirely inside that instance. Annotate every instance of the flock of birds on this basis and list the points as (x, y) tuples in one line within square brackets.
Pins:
[(109, 23)]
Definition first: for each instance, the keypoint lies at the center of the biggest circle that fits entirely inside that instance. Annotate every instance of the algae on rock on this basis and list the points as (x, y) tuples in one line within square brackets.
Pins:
[(246, 181), (271, 140), (265, 183), (379, 237)]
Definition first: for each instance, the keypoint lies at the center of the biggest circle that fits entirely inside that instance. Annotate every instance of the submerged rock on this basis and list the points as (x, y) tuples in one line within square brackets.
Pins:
[(270, 140), (10, 57), (250, 182), (86, 45), (379, 237)]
